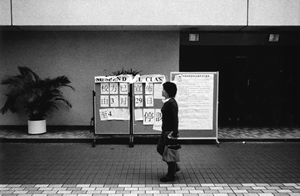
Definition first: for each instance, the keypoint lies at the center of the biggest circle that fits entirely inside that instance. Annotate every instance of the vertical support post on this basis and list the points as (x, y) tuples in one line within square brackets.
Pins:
[(93, 120), (131, 110)]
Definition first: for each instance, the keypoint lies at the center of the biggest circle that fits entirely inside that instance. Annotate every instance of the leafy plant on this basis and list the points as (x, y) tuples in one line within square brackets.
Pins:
[(36, 96), (124, 72)]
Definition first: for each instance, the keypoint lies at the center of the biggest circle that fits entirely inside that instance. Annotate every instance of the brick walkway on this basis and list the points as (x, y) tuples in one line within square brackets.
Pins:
[(152, 189), (254, 168)]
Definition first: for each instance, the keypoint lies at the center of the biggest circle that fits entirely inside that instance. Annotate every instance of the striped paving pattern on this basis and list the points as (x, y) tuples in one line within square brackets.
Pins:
[(223, 133), (291, 189)]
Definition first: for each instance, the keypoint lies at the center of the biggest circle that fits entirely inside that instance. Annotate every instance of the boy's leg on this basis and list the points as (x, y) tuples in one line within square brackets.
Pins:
[(171, 172)]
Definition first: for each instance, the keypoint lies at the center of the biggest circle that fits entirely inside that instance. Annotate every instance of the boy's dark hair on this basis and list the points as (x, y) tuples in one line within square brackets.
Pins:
[(170, 88)]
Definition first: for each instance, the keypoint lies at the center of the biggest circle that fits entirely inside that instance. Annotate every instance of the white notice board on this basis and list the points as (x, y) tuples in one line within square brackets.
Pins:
[(197, 98)]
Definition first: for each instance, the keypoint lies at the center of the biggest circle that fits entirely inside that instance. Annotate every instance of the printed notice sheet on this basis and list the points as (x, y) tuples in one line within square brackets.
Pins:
[(195, 101)]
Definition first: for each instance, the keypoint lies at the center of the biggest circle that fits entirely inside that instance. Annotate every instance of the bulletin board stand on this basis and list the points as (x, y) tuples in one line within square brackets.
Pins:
[(112, 117), (197, 99), (112, 106)]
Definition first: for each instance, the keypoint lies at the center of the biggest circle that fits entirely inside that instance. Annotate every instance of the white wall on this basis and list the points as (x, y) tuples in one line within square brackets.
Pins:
[(125, 12), (81, 56), (274, 13), (5, 12), (147, 14)]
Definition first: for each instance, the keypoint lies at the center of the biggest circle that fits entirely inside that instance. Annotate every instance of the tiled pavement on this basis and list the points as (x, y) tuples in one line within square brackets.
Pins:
[(234, 168), (254, 168), (223, 133), (152, 189)]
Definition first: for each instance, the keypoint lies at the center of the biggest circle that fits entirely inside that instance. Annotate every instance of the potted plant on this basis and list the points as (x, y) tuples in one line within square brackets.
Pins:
[(36, 96), (126, 72)]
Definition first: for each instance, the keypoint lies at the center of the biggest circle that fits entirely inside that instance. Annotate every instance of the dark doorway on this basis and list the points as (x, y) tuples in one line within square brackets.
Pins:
[(258, 85)]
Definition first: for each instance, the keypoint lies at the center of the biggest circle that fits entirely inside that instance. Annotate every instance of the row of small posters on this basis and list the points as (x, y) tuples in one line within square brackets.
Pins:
[(149, 116), (114, 98), (116, 94)]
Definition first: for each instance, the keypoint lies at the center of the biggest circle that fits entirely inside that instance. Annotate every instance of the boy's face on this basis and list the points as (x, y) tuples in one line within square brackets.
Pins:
[(165, 94)]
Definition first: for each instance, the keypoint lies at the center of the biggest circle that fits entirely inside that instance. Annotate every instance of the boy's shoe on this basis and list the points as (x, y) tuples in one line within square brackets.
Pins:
[(166, 179)]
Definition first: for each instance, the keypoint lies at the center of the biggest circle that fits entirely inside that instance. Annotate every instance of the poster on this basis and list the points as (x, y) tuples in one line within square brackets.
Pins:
[(104, 101), (113, 88), (157, 120), (149, 89), (138, 101), (114, 101), (138, 88), (148, 116), (195, 101), (149, 101), (104, 88), (123, 101), (114, 114), (138, 114), (124, 88), (157, 92)]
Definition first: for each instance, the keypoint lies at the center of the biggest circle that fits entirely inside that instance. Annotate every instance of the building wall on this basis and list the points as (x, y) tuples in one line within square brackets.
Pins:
[(5, 13), (274, 13), (81, 56), (124, 12), (184, 13)]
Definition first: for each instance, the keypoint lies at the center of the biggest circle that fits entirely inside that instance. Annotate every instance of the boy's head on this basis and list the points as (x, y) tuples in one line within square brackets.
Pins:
[(170, 88)]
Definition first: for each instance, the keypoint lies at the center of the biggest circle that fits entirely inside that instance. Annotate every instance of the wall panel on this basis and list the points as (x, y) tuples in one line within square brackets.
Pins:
[(81, 56), (124, 12), (5, 12), (274, 13)]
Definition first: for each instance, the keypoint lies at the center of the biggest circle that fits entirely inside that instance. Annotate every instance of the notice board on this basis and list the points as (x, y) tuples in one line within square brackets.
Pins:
[(112, 104), (128, 104), (147, 96), (197, 98)]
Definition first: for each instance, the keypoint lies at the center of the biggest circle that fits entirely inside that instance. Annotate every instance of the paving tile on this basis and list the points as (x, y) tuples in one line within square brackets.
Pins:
[(275, 166)]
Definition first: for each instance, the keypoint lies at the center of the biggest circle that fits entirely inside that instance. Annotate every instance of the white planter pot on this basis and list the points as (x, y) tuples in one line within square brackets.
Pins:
[(36, 126)]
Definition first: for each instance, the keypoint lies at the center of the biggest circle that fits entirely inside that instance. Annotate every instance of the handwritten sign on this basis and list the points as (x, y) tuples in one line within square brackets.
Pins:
[(149, 101), (138, 88), (157, 120), (114, 114), (120, 78), (114, 101), (123, 88), (148, 116), (104, 88), (104, 101), (123, 101), (155, 78), (149, 89), (138, 100), (113, 88)]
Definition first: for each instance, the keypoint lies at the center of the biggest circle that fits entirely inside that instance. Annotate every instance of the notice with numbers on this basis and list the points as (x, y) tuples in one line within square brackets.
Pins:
[(114, 114), (114, 101), (195, 101)]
